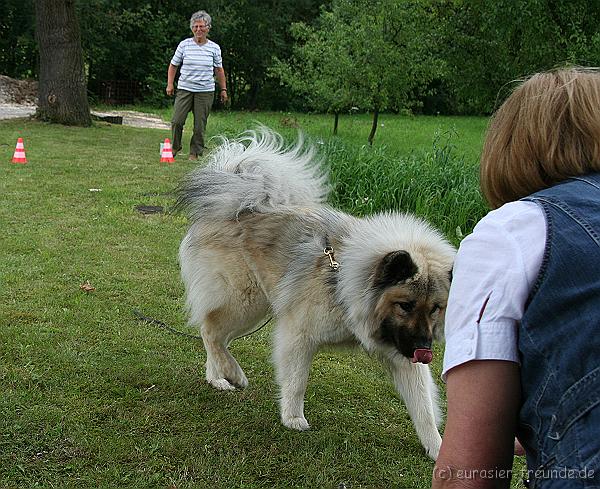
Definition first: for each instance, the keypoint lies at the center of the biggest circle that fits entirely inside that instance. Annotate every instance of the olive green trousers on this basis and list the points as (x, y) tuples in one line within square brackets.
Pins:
[(199, 103)]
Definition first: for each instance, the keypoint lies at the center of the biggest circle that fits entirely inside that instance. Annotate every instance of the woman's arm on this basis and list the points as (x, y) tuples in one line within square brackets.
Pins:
[(220, 74), (171, 72), (478, 444)]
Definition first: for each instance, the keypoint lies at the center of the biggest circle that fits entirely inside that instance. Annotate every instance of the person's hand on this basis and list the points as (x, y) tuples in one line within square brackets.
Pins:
[(170, 90), (223, 96)]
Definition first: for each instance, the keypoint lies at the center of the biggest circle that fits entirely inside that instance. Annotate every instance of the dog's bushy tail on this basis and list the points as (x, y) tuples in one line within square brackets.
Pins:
[(254, 173)]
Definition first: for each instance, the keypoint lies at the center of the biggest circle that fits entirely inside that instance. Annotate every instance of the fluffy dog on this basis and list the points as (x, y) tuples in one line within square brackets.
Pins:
[(262, 241)]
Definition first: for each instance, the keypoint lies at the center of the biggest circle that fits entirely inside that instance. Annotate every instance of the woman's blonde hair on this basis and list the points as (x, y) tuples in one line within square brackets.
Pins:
[(546, 131)]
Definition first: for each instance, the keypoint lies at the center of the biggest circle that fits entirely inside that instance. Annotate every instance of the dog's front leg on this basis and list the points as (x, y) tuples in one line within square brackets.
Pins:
[(414, 383), (292, 355)]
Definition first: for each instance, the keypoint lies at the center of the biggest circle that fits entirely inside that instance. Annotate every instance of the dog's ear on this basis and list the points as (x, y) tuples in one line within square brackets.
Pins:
[(395, 267)]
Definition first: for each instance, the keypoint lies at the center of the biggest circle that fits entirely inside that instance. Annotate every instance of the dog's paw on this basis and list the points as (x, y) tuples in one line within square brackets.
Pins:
[(433, 449), (241, 381), (298, 423), (221, 384)]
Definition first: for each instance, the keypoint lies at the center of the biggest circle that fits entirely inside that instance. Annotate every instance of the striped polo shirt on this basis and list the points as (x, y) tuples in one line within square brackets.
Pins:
[(197, 65)]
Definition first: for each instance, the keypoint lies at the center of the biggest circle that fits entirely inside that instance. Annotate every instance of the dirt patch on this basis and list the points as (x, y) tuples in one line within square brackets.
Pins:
[(136, 119), (149, 209)]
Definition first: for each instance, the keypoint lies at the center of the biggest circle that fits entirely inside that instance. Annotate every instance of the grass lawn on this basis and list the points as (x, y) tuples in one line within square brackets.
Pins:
[(91, 397), (396, 133)]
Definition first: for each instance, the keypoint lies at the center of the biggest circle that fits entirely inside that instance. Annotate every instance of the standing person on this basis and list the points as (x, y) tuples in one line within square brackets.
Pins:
[(200, 61), (523, 320)]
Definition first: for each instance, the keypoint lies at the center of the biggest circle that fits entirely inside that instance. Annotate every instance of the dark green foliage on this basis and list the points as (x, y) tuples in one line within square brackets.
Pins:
[(434, 56), (136, 40), (18, 50), (487, 45), (131, 42), (251, 34)]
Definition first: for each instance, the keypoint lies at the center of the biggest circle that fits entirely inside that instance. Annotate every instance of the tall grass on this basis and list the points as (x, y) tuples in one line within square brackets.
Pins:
[(434, 183)]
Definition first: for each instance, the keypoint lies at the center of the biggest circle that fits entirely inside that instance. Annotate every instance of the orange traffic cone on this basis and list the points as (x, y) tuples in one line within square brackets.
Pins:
[(167, 152), (19, 156)]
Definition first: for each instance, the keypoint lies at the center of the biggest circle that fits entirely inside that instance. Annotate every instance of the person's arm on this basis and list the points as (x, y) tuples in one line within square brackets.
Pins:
[(171, 72), (478, 443), (222, 81)]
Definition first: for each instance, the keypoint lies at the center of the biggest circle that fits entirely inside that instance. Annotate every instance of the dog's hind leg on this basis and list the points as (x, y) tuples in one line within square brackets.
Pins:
[(414, 383), (224, 302), (223, 371)]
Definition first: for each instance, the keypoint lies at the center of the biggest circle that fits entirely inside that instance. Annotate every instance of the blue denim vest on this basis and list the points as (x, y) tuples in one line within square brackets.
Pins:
[(559, 342)]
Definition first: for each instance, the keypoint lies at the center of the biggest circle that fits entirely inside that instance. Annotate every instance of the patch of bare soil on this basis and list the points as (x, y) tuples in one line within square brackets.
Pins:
[(136, 119)]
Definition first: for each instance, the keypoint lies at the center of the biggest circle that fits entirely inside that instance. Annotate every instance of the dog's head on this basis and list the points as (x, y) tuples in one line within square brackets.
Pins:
[(412, 292), (394, 280)]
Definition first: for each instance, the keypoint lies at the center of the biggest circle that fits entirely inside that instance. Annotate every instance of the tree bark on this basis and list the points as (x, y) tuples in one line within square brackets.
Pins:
[(335, 122), (374, 125), (62, 88), (253, 99)]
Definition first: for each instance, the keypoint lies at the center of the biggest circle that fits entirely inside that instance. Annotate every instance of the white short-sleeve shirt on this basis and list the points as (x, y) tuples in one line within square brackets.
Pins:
[(494, 271), (197, 65)]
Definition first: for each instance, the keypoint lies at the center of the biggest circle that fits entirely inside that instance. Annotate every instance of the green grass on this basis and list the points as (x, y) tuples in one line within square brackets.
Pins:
[(90, 397), (403, 135)]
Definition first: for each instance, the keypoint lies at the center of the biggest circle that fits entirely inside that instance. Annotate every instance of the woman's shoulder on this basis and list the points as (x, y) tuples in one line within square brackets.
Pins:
[(520, 217), (512, 235), (185, 42)]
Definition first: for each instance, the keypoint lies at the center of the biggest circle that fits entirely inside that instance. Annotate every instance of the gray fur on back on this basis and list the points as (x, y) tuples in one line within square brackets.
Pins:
[(255, 172)]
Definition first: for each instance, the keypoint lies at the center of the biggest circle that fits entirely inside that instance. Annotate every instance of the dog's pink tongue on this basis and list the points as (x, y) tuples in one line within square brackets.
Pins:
[(423, 355)]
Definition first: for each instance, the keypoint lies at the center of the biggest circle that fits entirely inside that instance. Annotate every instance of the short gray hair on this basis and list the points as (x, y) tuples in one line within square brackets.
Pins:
[(200, 15)]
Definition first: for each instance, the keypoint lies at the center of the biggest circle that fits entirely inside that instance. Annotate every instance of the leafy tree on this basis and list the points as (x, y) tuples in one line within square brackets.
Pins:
[(362, 53), (62, 85), (251, 33), (18, 50), (317, 72), (486, 45)]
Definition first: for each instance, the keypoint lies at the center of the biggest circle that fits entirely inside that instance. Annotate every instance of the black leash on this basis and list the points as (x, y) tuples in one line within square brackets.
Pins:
[(150, 320), (160, 324)]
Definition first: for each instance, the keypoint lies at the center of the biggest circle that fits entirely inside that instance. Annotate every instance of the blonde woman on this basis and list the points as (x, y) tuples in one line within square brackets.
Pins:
[(523, 321)]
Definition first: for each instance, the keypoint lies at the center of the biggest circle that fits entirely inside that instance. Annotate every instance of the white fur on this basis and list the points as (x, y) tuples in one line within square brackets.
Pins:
[(257, 172), (371, 238), (229, 290)]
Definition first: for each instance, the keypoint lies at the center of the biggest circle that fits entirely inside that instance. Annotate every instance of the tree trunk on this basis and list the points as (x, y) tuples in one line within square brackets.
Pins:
[(231, 87), (62, 88), (335, 122), (374, 125), (253, 96)]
